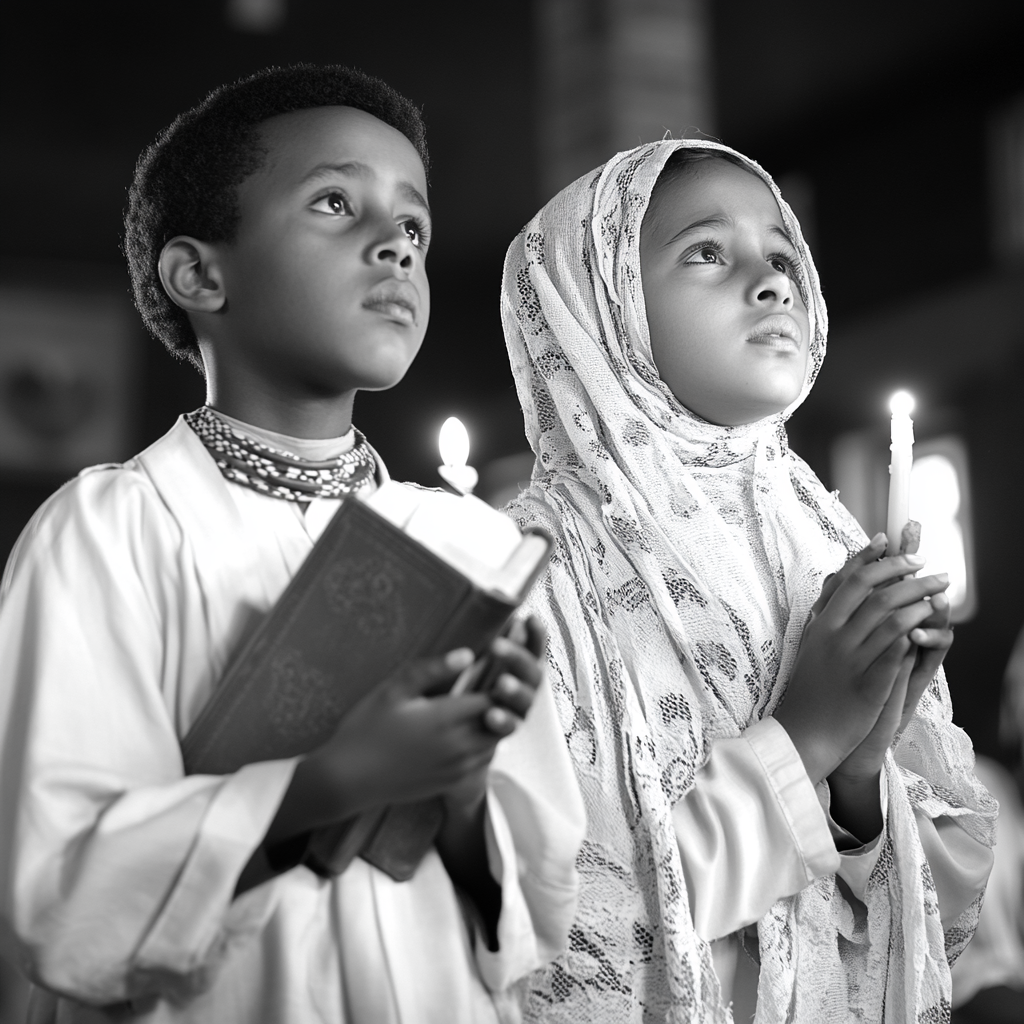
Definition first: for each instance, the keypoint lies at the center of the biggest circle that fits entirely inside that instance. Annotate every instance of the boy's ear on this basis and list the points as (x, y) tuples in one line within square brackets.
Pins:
[(191, 275)]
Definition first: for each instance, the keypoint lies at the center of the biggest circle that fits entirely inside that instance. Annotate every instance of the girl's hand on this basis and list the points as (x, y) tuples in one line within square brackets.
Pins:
[(852, 653), (931, 640)]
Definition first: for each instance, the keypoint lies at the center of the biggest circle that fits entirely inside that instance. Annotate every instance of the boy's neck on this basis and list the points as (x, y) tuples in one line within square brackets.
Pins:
[(294, 416), (305, 448)]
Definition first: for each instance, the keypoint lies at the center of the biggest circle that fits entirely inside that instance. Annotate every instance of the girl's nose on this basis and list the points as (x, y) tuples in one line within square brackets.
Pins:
[(773, 288)]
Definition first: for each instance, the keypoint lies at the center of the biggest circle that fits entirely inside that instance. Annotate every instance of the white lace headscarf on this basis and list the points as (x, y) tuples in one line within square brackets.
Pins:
[(663, 639)]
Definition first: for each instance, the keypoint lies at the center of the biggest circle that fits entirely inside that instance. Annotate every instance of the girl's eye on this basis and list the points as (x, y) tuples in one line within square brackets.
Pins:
[(706, 253), (790, 266), (785, 263), (333, 203)]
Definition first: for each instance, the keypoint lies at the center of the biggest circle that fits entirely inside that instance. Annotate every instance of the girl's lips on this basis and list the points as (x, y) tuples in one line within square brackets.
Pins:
[(778, 332), (781, 342)]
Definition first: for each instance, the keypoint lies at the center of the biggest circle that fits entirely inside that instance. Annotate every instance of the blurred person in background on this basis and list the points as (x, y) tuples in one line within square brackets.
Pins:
[(988, 979)]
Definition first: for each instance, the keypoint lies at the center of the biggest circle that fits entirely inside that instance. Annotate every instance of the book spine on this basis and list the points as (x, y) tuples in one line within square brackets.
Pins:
[(332, 848)]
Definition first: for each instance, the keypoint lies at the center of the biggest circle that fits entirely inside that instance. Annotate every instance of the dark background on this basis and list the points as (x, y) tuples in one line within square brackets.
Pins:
[(882, 109)]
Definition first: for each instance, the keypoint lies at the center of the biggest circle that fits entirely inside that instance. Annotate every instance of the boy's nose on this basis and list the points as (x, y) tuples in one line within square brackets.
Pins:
[(394, 246)]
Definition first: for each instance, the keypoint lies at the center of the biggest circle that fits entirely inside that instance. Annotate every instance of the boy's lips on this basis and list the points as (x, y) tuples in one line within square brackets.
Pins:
[(777, 331), (397, 300)]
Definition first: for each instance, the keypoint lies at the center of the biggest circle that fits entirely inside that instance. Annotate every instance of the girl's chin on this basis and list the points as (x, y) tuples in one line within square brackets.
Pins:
[(742, 414)]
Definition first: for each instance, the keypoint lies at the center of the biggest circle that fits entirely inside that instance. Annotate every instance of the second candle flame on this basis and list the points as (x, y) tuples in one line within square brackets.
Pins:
[(453, 442)]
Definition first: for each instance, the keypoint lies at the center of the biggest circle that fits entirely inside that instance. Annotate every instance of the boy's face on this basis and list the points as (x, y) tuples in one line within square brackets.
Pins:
[(325, 280), (729, 328)]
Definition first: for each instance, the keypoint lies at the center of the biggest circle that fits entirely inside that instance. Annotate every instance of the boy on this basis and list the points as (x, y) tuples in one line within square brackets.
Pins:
[(276, 237)]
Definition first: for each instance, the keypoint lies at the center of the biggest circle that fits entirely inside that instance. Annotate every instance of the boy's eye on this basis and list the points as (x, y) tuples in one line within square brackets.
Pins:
[(416, 231), (333, 203)]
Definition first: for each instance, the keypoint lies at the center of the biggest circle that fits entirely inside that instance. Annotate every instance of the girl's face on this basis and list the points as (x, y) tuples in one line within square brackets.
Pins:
[(729, 328)]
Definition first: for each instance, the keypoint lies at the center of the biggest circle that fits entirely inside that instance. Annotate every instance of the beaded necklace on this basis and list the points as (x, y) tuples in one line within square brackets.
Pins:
[(276, 473)]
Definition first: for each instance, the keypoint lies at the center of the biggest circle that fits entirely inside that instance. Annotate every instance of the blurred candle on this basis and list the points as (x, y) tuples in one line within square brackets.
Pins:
[(900, 464), (453, 442)]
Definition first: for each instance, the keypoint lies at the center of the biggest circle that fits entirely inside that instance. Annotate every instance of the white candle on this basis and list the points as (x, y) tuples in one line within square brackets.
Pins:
[(900, 464), (453, 442)]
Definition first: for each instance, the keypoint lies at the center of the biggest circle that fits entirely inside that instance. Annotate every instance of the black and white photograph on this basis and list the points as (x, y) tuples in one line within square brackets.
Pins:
[(512, 512)]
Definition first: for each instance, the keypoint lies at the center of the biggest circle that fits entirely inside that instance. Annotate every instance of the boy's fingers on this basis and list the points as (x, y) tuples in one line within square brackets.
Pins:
[(889, 719), (500, 722), (897, 625), (462, 709), (933, 645), (517, 660), (536, 637), (516, 631), (512, 694), (935, 639), (941, 609), (422, 675), (887, 604)]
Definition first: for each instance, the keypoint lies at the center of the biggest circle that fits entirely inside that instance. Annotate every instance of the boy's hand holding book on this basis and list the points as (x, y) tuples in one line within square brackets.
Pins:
[(348, 671), (515, 662), (400, 743)]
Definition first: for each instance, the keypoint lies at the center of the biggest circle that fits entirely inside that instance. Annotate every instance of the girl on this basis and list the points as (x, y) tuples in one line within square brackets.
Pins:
[(819, 857)]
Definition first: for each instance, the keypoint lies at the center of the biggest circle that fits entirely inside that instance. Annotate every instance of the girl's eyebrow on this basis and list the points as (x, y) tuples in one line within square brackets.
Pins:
[(782, 233), (720, 221), (723, 221)]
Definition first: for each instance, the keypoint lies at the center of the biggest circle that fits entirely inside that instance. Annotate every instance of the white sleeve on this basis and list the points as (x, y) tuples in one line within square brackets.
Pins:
[(751, 831), (959, 864), (535, 827), (116, 870), (856, 859)]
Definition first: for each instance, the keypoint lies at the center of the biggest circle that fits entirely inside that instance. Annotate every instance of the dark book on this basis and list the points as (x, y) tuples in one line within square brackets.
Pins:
[(368, 598)]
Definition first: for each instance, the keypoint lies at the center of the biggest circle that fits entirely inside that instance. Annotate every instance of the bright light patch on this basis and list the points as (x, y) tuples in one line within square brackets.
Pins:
[(453, 442), (901, 403), (935, 502)]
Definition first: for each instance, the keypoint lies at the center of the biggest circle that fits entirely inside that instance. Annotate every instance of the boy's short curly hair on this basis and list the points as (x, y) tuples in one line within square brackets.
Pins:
[(186, 182)]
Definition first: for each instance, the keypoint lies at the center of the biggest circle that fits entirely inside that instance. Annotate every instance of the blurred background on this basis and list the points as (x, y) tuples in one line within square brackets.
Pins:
[(896, 130)]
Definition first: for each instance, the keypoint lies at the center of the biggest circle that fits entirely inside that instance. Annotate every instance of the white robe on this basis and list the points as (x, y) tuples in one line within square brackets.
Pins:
[(121, 607)]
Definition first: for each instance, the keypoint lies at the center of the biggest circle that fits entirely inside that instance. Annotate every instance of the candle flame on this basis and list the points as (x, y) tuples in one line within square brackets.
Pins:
[(453, 442), (901, 403)]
